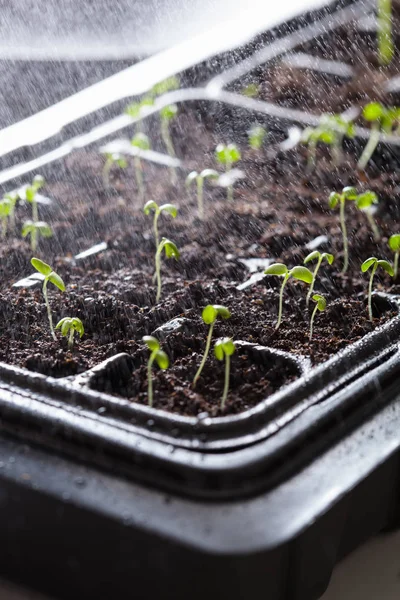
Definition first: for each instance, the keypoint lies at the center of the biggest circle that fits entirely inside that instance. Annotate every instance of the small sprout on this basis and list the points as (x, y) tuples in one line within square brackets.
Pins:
[(382, 120), (374, 263), (330, 130), (12, 198), (167, 85), (281, 270), (157, 355), (142, 142), (199, 179), (320, 306), (112, 158), (137, 110), (256, 135), (227, 155), (251, 90), (170, 209), (68, 326), (394, 245), (5, 211), (171, 251), (52, 277), (366, 203), (319, 257), (28, 193), (209, 315), (335, 198), (35, 231), (385, 35), (223, 349)]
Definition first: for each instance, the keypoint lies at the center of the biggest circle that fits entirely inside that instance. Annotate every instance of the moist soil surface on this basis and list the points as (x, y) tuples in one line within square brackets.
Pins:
[(279, 213)]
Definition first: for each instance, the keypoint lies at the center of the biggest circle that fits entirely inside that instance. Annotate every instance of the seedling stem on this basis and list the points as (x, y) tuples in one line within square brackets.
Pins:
[(374, 263), (209, 315)]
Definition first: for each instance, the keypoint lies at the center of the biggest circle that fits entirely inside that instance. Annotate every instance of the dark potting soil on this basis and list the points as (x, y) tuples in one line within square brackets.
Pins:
[(277, 211)]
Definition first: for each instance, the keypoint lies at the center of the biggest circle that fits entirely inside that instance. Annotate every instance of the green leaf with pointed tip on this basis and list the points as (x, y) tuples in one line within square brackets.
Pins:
[(334, 199), (386, 266), (312, 256), (394, 242), (209, 314), (373, 111), (190, 178), (171, 251), (328, 257), (367, 264), (57, 281), (209, 174), (302, 273), (366, 199), (171, 209), (151, 342), (141, 141), (276, 269), (149, 206), (41, 266), (162, 360), (349, 193), (321, 302), (169, 112)]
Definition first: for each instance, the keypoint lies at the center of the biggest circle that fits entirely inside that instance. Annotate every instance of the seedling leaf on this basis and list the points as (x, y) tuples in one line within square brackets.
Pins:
[(151, 342), (302, 273), (367, 264), (276, 269), (41, 266)]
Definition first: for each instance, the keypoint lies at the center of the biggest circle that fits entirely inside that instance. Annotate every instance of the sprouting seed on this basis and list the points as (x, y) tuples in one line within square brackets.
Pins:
[(50, 276), (209, 315), (382, 120), (5, 210), (394, 245), (12, 198), (256, 136), (366, 202), (385, 34), (171, 251), (335, 198), (227, 155), (281, 270), (112, 158), (32, 228), (199, 179), (331, 130), (68, 326), (319, 306), (141, 142), (157, 355), (319, 257), (374, 263), (170, 209), (223, 349)]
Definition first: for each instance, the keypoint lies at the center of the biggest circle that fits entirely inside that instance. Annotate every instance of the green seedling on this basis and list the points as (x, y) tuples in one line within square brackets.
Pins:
[(112, 159), (319, 306), (170, 209), (374, 263), (209, 315), (167, 85), (366, 202), (12, 199), (156, 355), (5, 210), (136, 110), (251, 90), (29, 193), (331, 131), (394, 245), (256, 135), (223, 349), (382, 120), (319, 257), (385, 35), (171, 251), (335, 198), (199, 179), (281, 270), (68, 326), (50, 276), (35, 231), (227, 155), (141, 142)]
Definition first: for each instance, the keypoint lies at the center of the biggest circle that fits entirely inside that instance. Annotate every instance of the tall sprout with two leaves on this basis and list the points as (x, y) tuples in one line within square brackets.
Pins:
[(227, 155), (336, 198), (319, 257), (320, 306), (331, 130), (68, 327), (366, 202), (373, 264), (141, 142), (385, 34), (152, 206), (49, 276), (34, 228), (394, 245), (171, 251), (223, 350), (112, 159), (156, 355), (300, 273), (198, 178), (210, 315), (383, 120)]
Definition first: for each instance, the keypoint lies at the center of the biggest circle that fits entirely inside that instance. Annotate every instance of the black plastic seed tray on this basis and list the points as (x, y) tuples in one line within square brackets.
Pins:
[(105, 499)]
